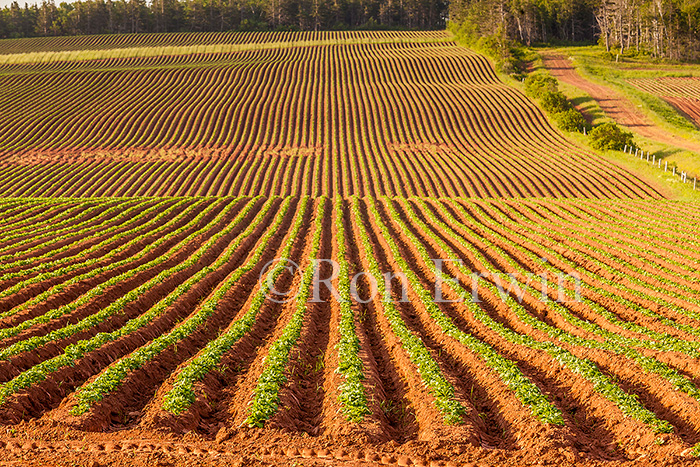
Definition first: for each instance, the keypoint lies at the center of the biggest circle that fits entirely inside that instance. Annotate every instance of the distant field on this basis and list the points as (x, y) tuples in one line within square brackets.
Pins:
[(396, 118), (182, 39), (682, 93)]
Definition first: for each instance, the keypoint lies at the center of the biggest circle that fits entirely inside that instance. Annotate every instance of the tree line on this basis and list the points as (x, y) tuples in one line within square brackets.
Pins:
[(135, 16), (660, 28)]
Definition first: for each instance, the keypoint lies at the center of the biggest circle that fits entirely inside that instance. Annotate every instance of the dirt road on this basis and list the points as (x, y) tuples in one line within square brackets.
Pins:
[(613, 103)]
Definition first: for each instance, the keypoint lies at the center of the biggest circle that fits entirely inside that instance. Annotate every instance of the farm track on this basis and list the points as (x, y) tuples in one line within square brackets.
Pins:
[(614, 104), (488, 235)]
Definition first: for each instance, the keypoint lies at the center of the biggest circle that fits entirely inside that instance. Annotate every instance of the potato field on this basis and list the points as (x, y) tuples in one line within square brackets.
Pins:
[(461, 284)]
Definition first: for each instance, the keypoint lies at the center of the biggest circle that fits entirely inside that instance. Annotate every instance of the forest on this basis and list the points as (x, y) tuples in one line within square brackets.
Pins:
[(668, 29), (134, 16)]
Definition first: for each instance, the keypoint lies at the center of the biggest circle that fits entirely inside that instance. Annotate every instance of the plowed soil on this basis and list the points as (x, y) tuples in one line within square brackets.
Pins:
[(404, 426), (388, 132)]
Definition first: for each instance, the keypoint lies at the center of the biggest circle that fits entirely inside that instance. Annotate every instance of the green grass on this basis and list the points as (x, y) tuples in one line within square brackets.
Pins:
[(585, 103), (591, 63), (670, 186)]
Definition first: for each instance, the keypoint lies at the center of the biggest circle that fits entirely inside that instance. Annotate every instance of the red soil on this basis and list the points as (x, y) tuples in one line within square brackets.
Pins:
[(128, 426), (689, 107), (613, 103)]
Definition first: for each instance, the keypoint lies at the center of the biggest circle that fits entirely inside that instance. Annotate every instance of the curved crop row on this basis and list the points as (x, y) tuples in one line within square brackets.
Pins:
[(611, 342), (99, 289), (653, 340), (182, 395), (586, 368), (70, 240), (171, 309), (118, 305), (662, 329), (112, 377), (266, 400), (115, 250), (407, 119)]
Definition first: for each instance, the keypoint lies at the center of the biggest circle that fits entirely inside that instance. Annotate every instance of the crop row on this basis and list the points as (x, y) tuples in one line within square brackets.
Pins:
[(635, 293), (611, 343), (111, 378), (57, 245), (67, 229), (266, 399), (688, 88), (682, 93), (430, 372), (353, 395), (114, 249), (119, 41), (406, 119), (57, 290), (182, 395), (518, 356), (118, 306), (657, 341)]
